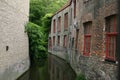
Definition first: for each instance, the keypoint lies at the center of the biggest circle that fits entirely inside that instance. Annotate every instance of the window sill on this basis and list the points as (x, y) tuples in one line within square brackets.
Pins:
[(111, 33), (110, 61), (59, 31), (86, 55), (65, 29)]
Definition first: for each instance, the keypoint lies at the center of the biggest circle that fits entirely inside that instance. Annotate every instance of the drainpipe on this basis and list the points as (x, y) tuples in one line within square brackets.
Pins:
[(118, 40)]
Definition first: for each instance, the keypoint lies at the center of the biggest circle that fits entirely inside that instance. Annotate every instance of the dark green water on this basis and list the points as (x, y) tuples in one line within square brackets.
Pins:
[(53, 69)]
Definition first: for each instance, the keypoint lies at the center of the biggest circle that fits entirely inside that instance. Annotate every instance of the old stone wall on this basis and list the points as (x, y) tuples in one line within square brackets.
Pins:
[(14, 57)]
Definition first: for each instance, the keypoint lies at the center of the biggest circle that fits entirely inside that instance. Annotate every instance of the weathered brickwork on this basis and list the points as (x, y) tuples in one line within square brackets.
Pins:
[(55, 48), (96, 65), (14, 57)]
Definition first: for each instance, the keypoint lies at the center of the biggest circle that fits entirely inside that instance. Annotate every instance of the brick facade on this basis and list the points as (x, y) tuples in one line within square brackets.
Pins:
[(90, 57)]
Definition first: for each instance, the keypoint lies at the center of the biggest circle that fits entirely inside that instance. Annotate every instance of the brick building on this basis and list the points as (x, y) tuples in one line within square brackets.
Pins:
[(85, 35), (14, 53)]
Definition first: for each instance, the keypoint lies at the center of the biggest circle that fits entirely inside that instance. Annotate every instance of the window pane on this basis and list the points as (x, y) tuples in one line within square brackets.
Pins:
[(111, 37), (87, 33)]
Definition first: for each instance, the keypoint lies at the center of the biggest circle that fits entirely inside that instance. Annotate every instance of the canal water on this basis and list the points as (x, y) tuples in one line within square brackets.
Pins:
[(54, 69)]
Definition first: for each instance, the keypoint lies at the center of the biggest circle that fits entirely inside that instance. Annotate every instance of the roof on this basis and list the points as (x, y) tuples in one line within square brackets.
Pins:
[(64, 7)]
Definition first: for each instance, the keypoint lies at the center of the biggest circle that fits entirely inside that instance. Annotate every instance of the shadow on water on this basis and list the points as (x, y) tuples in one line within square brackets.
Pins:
[(53, 69)]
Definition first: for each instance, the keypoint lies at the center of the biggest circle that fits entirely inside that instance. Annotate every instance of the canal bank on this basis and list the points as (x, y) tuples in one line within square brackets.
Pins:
[(71, 58)]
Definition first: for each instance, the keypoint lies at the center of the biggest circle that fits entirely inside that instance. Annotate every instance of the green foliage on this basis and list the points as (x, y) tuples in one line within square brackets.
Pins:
[(36, 11), (39, 8), (37, 41), (41, 12), (46, 22), (80, 77)]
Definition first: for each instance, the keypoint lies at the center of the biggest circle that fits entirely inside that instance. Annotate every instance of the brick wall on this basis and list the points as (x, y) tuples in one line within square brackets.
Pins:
[(94, 66)]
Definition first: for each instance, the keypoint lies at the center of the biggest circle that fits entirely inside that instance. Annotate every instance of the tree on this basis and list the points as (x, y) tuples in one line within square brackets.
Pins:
[(37, 41), (39, 8), (41, 12)]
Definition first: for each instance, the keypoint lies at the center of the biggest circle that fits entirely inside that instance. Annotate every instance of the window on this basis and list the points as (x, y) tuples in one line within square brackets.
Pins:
[(111, 37), (74, 8), (71, 16), (54, 41), (58, 40), (59, 24), (54, 26), (85, 1), (50, 43), (72, 42), (66, 21), (65, 41), (76, 44), (87, 38), (50, 31), (7, 48)]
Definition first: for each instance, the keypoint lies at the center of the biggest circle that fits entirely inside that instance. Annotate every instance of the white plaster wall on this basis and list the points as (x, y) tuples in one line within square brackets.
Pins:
[(13, 17)]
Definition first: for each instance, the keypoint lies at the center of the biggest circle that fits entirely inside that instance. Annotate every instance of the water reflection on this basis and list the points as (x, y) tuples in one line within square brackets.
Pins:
[(54, 69)]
